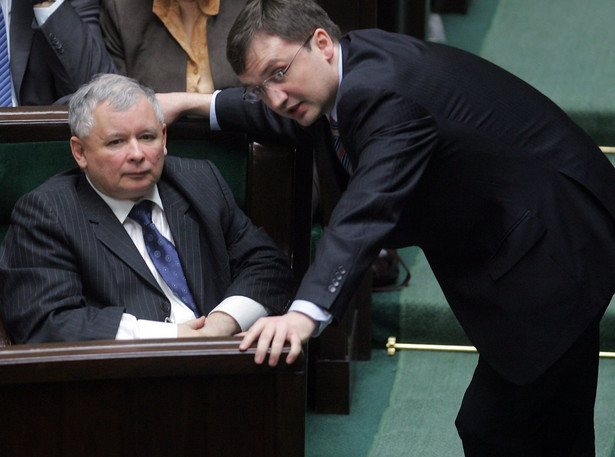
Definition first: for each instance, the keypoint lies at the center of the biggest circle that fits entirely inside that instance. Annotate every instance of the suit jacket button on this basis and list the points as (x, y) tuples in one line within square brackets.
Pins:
[(332, 288), (165, 307)]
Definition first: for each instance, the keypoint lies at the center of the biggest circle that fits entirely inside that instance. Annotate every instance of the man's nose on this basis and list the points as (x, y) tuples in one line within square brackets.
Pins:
[(134, 150), (276, 98)]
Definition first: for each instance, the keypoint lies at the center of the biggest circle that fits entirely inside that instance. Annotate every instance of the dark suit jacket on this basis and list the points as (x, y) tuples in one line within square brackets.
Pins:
[(68, 269), (512, 203), (144, 49), (52, 62)]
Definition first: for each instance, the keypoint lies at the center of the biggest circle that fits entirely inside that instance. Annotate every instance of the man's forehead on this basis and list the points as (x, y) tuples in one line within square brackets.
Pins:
[(265, 53), (108, 118)]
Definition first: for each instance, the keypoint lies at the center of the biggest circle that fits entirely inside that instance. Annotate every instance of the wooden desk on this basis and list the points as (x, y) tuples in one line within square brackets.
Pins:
[(196, 397)]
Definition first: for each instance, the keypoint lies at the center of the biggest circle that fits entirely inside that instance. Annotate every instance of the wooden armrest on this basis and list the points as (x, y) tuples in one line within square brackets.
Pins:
[(89, 360)]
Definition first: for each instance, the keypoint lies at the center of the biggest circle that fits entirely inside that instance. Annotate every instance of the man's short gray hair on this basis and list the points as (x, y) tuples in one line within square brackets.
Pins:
[(121, 92)]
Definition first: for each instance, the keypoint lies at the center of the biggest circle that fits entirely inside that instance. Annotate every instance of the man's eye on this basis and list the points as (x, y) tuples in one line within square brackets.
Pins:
[(278, 75)]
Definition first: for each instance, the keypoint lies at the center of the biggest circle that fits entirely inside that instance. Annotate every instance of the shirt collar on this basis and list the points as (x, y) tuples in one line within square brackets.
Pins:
[(121, 208), (207, 7), (340, 73)]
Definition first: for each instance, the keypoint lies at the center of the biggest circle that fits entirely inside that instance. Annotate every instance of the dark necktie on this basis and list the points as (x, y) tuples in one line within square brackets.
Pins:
[(5, 68), (339, 147), (163, 254)]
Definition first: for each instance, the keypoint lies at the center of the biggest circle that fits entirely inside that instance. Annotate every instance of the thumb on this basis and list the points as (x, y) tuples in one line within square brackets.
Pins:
[(196, 323)]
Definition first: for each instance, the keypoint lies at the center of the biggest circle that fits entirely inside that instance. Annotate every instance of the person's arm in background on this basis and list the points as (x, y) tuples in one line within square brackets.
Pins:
[(76, 48)]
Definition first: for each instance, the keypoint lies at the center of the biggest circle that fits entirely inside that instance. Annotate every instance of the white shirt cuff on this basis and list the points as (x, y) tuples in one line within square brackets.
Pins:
[(132, 328), (320, 315), (43, 13), (243, 309), (213, 119)]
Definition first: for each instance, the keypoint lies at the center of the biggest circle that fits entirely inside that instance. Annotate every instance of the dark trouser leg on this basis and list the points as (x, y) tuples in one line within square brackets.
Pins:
[(553, 416)]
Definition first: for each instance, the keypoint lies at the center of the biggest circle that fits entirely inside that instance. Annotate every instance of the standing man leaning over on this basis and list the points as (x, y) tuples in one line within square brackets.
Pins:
[(54, 46), (134, 244), (512, 203)]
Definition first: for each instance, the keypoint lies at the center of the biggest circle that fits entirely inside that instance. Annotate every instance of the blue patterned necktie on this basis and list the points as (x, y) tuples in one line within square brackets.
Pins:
[(5, 68), (163, 255), (339, 146)]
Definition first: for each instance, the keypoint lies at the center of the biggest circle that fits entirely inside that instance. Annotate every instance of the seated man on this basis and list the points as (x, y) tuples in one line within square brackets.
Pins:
[(78, 262)]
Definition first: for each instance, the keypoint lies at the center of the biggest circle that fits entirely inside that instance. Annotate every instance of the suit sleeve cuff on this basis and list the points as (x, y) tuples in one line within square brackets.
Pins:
[(43, 13), (320, 315), (244, 310), (132, 328), (213, 119)]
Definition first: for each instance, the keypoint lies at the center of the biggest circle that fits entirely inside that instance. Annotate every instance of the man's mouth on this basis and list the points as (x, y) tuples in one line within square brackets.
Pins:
[(293, 109)]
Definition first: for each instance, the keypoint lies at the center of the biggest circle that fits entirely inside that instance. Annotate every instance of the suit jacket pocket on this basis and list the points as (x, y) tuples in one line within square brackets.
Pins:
[(521, 238)]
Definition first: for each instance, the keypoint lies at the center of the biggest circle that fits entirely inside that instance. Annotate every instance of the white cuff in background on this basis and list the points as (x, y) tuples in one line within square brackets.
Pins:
[(320, 315), (43, 13)]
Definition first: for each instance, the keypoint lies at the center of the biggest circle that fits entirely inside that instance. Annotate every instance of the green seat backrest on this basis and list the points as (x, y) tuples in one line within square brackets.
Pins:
[(23, 166)]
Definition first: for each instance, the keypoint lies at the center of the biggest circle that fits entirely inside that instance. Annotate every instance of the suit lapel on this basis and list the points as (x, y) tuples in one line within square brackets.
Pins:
[(111, 233), (186, 234)]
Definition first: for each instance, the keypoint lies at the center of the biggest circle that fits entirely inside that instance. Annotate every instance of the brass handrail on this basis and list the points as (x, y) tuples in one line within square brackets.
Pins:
[(393, 346)]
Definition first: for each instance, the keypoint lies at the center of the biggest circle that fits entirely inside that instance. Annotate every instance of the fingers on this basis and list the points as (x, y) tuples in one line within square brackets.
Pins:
[(296, 346), (273, 332), (269, 332)]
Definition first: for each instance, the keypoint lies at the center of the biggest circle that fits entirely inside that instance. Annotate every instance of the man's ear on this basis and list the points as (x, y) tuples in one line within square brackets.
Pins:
[(78, 150), (164, 138), (323, 42)]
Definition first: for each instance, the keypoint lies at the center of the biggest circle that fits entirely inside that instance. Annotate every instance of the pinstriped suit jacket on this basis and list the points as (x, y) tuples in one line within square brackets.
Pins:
[(68, 269)]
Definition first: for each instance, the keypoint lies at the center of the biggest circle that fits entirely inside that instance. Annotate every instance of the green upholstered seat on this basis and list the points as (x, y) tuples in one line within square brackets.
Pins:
[(23, 166)]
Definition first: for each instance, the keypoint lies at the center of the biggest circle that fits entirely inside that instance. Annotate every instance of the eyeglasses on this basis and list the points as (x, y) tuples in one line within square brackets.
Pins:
[(253, 94)]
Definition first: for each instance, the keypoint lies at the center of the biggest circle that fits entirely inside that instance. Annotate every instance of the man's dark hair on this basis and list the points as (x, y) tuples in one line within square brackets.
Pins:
[(291, 20)]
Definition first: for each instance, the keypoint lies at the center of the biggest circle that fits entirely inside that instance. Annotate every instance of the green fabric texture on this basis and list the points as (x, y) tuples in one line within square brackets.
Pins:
[(335, 435), (23, 166), (426, 396), (467, 31), (564, 48)]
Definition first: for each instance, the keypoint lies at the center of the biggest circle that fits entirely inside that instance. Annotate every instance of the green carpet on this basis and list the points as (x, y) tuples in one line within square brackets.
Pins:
[(467, 31), (428, 390), (331, 435), (565, 49)]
